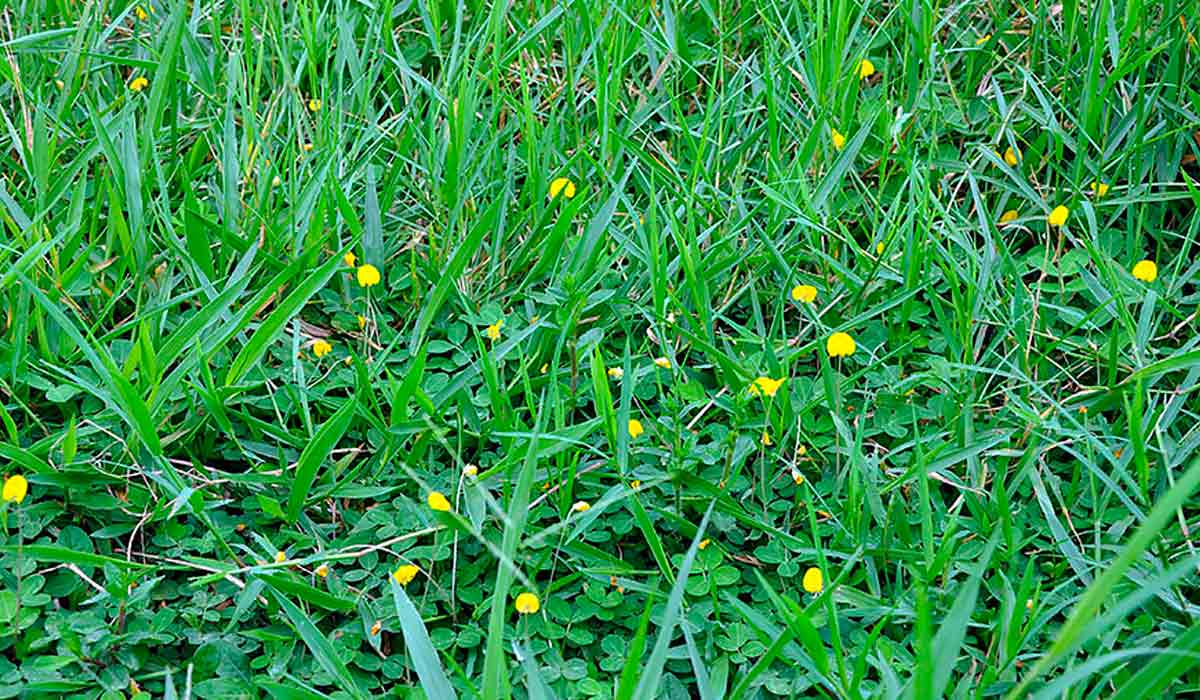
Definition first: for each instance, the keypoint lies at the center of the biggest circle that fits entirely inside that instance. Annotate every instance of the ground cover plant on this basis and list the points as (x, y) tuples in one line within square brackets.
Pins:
[(712, 349)]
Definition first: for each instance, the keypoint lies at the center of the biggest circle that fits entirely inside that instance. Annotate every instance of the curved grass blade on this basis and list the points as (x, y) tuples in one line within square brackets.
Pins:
[(318, 644), (424, 656), (314, 454)]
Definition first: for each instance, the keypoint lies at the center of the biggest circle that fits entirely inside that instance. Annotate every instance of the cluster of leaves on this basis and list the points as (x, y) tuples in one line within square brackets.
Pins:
[(233, 433)]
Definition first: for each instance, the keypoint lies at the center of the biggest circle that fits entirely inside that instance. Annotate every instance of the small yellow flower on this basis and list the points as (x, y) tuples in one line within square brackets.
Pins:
[(307, 147), (813, 581), (437, 501), (60, 84), (545, 367), (314, 105), (139, 83), (839, 140), (581, 506), (1012, 157), (766, 439), (1144, 270), (797, 477), (322, 570), (635, 484), (1058, 217), (635, 427), (662, 362), (1099, 189), (616, 372), (840, 345), (493, 331), (470, 471), (368, 275), (362, 321), (321, 348), (766, 385), (406, 573), (1009, 216), (879, 248), (802, 450), (562, 185), (703, 543), (15, 488), (376, 627), (141, 14), (350, 258), (805, 293), (275, 181), (865, 69), (280, 557), (528, 603), (983, 39)]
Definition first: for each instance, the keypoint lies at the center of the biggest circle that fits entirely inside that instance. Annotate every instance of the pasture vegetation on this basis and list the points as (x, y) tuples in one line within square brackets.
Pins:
[(685, 349)]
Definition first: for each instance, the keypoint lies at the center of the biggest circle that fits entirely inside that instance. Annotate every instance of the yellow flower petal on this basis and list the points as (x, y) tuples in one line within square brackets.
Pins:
[(322, 570), (865, 69), (350, 258), (280, 557), (983, 39), (15, 488), (321, 348), (1099, 189), (805, 293), (581, 506), (437, 501), (139, 83), (493, 331), (562, 185), (1144, 270), (1009, 216), (1012, 157), (470, 470), (1058, 217), (406, 573), (368, 275), (662, 362), (813, 581), (839, 140), (635, 427), (528, 603), (314, 105), (766, 386), (840, 345), (616, 372)]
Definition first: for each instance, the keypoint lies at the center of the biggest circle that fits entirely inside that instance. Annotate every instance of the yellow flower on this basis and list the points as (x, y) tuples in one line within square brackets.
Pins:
[(139, 83), (804, 293), (1099, 189), (280, 557), (406, 573), (350, 258), (797, 477), (616, 372), (1012, 157), (376, 627), (839, 345), (545, 367), (865, 69), (470, 470), (15, 488), (141, 14), (813, 581), (1058, 217), (60, 84), (275, 181), (879, 248), (528, 603), (437, 501), (1009, 216), (368, 275), (1145, 270), (662, 362), (635, 484), (562, 185), (321, 348), (322, 570), (983, 40), (314, 105), (493, 331), (766, 439), (362, 321), (308, 147), (703, 543), (766, 385), (839, 141), (802, 450), (635, 427), (581, 506)]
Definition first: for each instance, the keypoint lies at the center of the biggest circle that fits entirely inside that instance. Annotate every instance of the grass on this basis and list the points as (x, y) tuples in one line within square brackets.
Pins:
[(994, 495)]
